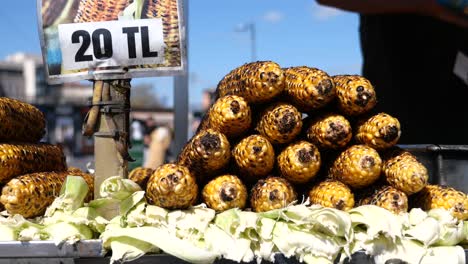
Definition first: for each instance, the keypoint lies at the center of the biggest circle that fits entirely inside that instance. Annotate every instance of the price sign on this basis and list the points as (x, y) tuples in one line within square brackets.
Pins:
[(111, 39)]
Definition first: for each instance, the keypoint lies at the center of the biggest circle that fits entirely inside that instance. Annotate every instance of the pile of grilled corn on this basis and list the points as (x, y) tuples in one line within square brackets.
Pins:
[(275, 136), (31, 173)]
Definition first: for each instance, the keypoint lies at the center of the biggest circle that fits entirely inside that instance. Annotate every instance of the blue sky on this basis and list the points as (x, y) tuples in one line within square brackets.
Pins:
[(292, 33)]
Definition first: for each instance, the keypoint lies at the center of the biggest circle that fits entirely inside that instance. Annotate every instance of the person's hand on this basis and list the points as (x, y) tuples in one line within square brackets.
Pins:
[(434, 9)]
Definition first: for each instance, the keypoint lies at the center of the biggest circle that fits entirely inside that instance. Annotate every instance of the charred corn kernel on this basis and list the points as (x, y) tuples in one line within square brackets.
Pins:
[(100, 10), (21, 122), (207, 153), (74, 169), (391, 199), (29, 195), (19, 159), (333, 194), (355, 94), (140, 176), (257, 82), (225, 192), (299, 162), (172, 186), (379, 131), (358, 166), (272, 193), (230, 115), (280, 123), (403, 171), (254, 157), (436, 196), (167, 10), (330, 131), (308, 88)]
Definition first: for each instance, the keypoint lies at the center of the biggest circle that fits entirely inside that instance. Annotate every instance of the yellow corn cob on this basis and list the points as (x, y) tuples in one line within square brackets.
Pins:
[(19, 159), (254, 157), (257, 82), (280, 123), (140, 176), (390, 198), (308, 88), (206, 154), (299, 162), (403, 171), (230, 115), (20, 122), (167, 10), (29, 195), (333, 194), (225, 192), (358, 166), (100, 10), (330, 131), (355, 94), (172, 186), (379, 131), (272, 193), (436, 196)]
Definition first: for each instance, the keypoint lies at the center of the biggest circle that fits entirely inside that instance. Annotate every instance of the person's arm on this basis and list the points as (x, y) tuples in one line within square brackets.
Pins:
[(422, 7)]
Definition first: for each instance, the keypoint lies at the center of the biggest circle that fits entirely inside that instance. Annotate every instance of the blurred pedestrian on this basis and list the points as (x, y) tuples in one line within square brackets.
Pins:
[(160, 141)]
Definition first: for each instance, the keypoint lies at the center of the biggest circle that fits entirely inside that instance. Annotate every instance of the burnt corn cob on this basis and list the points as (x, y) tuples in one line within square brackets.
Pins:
[(379, 131), (172, 186), (280, 123), (19, 159), (403, 171), (230, 115), (206, 154), (358, 166), (140, 176), (29, 195), (299, 162), (333, 194), (389, 198), (308, 88), (272, 193), (225, 192), (437, 196), (254, 157), (355, 94), (256, 82), (330, 131), (100, 10), (20, 122)]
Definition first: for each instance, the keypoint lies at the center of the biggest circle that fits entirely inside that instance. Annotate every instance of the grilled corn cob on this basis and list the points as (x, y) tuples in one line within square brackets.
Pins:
[(29, 195), (355, 94), (254, 157), (358, 166), (172, 186), (330, 131), (332, 193), (167, 10), (308, 88), (21, 122), (100, 10), (225, 192), (379, 131), (280, 123), (20, 159), (389, 198), (272, 193), (436, 196), (230, 115), (206, 154), (403, 171), (257, 82), (299, 162), (140, 176)]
